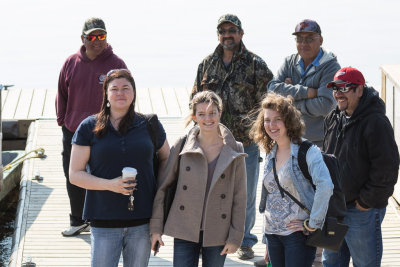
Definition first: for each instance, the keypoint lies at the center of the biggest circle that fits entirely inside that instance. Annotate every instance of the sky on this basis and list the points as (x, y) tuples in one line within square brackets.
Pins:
[(162, 42)]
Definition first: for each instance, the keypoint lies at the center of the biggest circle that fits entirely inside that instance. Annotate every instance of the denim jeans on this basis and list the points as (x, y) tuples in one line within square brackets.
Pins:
[(252, 171), (186, 254), (363, 240), (290, 250), (108, 243), (76, 194)]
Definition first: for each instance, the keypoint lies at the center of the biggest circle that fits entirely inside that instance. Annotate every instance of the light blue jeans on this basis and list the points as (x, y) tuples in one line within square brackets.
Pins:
[(363, 241), (108, 243), (252, 170)]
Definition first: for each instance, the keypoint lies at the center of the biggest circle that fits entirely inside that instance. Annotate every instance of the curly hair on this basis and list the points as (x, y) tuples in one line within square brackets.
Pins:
[(203, 97), (103, 116), (291, 117)]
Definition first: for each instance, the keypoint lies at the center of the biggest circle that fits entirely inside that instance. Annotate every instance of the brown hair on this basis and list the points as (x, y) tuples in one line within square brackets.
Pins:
[(203, 97), (291, 117), (103, 117)]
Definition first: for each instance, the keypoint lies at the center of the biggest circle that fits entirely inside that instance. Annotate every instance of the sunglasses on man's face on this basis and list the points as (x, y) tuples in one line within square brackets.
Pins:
[(92, 38), (345, 88), (228, 31)]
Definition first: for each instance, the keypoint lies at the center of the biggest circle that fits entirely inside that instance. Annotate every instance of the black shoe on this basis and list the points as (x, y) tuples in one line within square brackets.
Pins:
[(245, 253), (260, 263)]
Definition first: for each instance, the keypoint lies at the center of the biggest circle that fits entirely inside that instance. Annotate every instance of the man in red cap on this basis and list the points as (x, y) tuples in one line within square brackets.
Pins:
[(360, 135)]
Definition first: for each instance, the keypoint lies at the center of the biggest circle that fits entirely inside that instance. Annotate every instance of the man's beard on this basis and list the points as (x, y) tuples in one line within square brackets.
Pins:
[(230, 46)]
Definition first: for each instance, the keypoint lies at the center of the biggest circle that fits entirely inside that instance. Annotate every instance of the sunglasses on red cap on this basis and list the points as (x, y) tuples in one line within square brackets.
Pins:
[(92, 38)]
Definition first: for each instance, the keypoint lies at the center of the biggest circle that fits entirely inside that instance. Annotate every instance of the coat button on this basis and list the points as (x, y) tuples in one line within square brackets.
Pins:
[(184, 187), (223, 176), (223, 196), (187, 168), (223, 216), (182, 207)]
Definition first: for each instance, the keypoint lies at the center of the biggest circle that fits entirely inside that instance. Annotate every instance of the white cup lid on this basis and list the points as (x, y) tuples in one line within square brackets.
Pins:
[(129, 171)]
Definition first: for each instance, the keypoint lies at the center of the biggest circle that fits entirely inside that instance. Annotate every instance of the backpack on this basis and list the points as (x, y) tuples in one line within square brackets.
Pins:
[(337, 203), (152, 127)]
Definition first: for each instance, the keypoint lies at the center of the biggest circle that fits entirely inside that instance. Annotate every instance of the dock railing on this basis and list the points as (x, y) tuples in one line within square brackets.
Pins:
[(390, 93)]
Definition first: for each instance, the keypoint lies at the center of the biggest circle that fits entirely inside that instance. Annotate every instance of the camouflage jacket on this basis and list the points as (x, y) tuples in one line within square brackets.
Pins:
[(241, 87)]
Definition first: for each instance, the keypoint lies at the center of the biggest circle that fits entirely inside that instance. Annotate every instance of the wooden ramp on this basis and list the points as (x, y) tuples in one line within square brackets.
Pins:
[(31, 104), (44, 206)]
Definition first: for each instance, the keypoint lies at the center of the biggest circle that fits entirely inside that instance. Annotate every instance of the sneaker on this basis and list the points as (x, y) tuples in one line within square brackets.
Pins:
[(245, 253), (76, 230), (260, 263)]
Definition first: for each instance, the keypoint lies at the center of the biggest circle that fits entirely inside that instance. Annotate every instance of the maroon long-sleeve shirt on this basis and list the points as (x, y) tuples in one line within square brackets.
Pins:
[(80, 86)]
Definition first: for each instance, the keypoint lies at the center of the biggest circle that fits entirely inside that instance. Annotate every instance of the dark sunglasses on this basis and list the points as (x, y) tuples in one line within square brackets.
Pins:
[(344, 89), (115, 70), (92, 38), (229, 31)]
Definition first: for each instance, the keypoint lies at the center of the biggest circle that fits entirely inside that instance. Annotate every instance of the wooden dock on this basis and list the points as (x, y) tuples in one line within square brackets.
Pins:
[(44, 205)]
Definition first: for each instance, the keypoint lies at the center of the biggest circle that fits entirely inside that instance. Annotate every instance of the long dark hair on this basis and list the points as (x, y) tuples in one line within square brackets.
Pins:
[(103, 116)]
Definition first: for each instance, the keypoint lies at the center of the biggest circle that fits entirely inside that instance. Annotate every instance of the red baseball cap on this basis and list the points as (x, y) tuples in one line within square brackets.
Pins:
[(347, 75)]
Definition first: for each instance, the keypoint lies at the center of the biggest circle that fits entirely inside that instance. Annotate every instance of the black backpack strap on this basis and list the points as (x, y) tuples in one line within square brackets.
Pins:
[(152, 127), (302, 160), (283, 191)]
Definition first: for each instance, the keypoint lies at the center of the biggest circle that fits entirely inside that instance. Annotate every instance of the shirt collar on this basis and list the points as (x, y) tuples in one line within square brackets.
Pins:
[(314, 63)]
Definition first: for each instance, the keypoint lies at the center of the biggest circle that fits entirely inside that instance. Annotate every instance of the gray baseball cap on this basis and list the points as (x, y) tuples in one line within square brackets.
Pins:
[(230, 18), (92, 25)]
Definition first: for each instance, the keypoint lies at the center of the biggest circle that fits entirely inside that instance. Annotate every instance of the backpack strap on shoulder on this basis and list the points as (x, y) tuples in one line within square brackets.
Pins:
[(152, 127), (302, 159)]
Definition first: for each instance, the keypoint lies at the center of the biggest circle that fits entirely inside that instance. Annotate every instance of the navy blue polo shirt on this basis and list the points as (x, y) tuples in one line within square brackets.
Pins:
[(108, 156)]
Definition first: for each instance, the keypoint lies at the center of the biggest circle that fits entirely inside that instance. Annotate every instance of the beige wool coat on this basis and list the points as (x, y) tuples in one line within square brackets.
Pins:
[(226, 204)]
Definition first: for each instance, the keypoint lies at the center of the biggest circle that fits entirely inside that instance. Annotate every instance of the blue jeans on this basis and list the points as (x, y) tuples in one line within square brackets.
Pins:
[(290, 250), (108, 243), (186, 254), (363, 240), (252, 171)]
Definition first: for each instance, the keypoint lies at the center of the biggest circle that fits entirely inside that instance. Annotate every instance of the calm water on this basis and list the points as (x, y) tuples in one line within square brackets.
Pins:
[(7, 218), (163, 42)]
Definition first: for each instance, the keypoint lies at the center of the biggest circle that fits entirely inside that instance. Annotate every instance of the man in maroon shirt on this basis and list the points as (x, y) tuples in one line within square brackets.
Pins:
[(79, 95)]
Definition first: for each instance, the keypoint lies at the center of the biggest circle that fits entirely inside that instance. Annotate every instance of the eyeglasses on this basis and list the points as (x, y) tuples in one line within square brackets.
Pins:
[(115, 70), (307, 39), (229, 31), (92, 38), (344, 89)]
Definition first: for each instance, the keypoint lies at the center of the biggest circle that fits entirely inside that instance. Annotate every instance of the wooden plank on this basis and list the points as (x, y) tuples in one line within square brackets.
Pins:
[(38, 100), (10, 104), (157, 101), (4, 94), (171, 102), (24, 104), (49, 108), (144, 101), (183, 99)]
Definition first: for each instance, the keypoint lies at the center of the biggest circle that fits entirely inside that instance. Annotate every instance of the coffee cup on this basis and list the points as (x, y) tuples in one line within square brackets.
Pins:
[(129, 172)]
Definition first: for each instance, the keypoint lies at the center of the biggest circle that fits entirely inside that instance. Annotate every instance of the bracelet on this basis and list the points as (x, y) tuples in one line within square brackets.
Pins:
[(308, 228)]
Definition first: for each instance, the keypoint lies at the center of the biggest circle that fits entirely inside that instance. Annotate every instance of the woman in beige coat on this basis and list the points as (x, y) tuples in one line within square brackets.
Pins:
[(209, 207)]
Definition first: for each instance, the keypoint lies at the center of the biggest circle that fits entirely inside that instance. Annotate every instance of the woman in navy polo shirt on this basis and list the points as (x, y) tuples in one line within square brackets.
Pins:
[(102, 146)]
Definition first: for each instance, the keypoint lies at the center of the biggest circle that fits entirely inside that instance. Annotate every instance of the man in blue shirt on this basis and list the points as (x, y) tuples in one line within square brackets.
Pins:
[(304, 76)]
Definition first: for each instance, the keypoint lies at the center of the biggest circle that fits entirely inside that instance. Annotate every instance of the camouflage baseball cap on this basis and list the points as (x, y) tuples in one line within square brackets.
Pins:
[(307, 25), (92, 25), (230, 18)]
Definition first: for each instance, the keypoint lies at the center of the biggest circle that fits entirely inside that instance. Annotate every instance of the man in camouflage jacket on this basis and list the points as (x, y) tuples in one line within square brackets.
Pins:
[(240, 78)]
